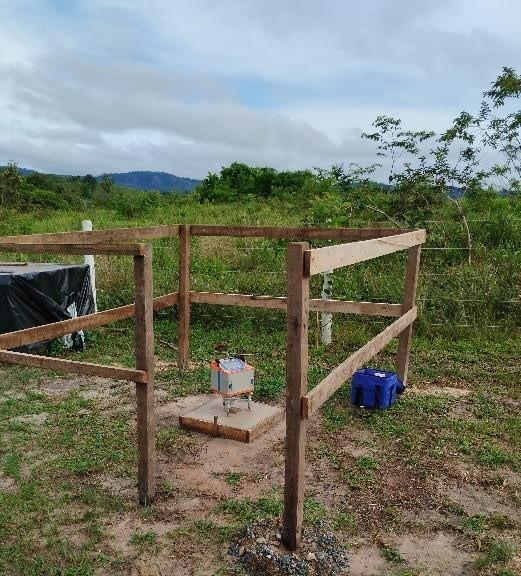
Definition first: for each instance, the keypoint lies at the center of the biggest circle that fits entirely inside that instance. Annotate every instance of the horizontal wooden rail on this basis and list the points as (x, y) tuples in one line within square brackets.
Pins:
[(72, 366), (118, 235), (106, 236), (248, 300), (330, 257), (352, 307), (38, 248), (280, 303), (312, 401), (353, 234), (57, 329)]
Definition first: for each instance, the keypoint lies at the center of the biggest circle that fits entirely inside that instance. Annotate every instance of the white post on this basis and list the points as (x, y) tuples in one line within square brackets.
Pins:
[(326, 318), (86, 226)]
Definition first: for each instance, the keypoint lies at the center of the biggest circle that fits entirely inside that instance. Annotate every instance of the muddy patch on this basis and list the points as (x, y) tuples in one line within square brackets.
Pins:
[(189, 562), (442, 391), (120, 487), (206, 469), (31, 419), (124, 534), (367, 561), (7, 484), (92, 387), (57, 387), (475, 500), (168, 413), (438, 555), (356, 450), (75, 535)]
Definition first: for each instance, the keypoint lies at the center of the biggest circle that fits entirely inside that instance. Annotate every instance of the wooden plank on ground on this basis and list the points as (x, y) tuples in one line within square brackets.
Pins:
[(71, 366), (144, 336), (107, 236), (296, 387), (332, 382), (244, 426), (280, 303), (353, 234), (57, 329), (409, 300), (330, 257), (183, 307), (39, 248)]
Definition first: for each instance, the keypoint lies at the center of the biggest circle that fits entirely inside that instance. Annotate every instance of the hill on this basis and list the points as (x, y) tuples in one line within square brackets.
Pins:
[(145, 180), (138, 180)]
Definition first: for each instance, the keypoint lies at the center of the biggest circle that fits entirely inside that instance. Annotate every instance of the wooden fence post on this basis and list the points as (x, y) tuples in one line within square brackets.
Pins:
[(183, 307), (296, 388), (409, 301), (144, 334)]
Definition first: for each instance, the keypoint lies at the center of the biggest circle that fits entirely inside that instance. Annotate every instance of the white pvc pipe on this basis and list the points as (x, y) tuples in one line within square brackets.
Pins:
[(326, 318), (86, 226)]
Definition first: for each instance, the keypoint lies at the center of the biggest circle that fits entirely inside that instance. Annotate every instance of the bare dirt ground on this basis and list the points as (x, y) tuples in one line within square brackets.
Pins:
[(394, 518)]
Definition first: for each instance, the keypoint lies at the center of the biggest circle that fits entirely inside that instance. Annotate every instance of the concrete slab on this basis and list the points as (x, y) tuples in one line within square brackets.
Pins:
[(243, 426)]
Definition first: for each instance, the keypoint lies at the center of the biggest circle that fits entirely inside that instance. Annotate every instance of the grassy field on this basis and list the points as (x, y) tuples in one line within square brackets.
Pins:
[(431, 486), (484, 293), (444, 461)]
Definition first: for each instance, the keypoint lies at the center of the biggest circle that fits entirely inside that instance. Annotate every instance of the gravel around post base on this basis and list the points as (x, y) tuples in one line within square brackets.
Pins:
[(260, 551)]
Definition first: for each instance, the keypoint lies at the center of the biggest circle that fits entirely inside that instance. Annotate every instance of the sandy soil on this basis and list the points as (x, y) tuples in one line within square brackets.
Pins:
[(197, 474)]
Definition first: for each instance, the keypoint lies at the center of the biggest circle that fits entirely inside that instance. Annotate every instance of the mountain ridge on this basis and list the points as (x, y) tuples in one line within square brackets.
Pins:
[(152, 180), (139, 180)]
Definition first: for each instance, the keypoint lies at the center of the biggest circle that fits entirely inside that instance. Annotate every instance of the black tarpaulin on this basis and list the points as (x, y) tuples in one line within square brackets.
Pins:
[(36, 294)]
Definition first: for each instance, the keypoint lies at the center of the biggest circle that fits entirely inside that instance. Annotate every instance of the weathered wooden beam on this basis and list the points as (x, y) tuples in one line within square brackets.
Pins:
[(106, 236), (71, 366), (57, 329), (352, 307), (247, 300), (183, 308), (153, 232), (409, 300), (353, 234), (330, 257), (280, 303), (144, 335), (40, 248), (332, 382), (296, 387)]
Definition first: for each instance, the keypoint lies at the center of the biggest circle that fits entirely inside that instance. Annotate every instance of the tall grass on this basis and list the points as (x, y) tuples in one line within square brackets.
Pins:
[(451, 291)]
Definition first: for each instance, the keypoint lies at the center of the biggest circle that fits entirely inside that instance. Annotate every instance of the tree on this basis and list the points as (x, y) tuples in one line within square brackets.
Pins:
[(36, 179), (10, 182), (494, 128), (107, 184), (240, 181), (88, 184), (394, 143), (502, 133), (426, 168)]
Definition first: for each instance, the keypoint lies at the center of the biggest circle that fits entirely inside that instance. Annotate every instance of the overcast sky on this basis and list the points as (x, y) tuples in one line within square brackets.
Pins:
[(187, 87)]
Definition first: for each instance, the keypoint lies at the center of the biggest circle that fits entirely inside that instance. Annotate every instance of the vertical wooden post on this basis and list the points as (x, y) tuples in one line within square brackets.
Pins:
[(296, 388), (183, 307), (409, 300), (144, 335)]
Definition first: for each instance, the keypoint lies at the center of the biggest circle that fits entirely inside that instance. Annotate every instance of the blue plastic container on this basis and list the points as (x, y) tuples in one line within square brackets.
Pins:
[(372, 388)]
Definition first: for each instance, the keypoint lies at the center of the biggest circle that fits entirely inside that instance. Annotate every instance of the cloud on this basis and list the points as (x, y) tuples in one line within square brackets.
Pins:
[(190, 86)]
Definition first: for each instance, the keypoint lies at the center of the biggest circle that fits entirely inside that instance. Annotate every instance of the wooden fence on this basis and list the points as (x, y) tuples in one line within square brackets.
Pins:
[(302, 262)]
